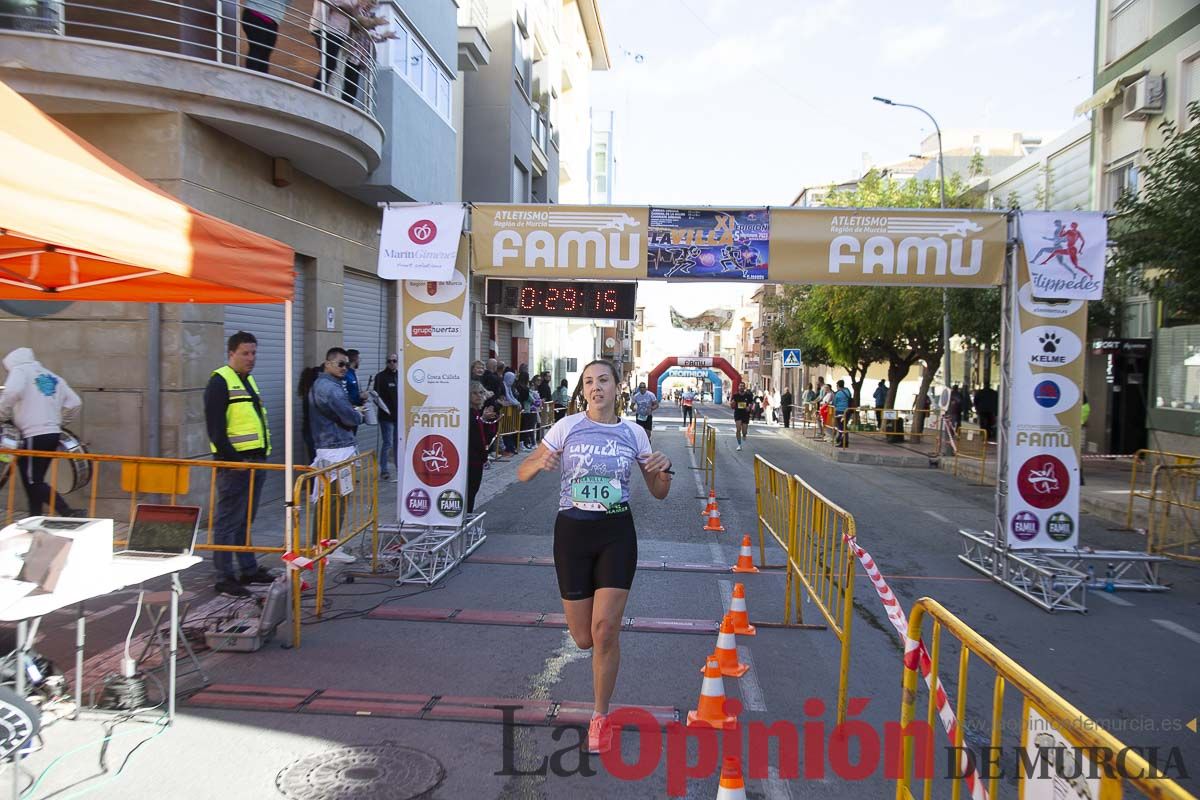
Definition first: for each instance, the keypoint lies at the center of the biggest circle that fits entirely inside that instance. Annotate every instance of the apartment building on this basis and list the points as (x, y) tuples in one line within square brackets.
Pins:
[(526, 139), (1147, 70), (297, 141)]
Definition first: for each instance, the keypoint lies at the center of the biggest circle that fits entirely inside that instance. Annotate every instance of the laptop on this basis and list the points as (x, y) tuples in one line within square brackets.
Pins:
[(161, 531)]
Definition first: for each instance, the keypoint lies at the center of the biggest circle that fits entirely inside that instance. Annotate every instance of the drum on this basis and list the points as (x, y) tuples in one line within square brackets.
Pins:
[(79, 473)]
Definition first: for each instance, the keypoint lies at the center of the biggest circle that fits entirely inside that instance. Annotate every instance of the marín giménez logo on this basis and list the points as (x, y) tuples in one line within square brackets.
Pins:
[(423, 231)]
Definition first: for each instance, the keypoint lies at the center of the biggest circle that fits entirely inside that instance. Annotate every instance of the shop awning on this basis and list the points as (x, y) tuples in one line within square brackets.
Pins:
[(77, 225), (1107, 93)]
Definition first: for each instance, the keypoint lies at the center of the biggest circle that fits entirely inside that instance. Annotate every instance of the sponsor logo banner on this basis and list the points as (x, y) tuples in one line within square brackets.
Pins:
[(434, 338), (1043, 432), (708, 244), (420, 242), (1065, 253)]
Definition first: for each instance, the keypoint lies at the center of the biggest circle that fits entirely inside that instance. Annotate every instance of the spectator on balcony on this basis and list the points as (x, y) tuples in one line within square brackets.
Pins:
[(329, 24), (260, 23)]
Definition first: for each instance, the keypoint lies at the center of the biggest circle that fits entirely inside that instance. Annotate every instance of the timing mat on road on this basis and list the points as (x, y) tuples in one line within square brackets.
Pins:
[(538, 619), (523, 710), (662, 566)]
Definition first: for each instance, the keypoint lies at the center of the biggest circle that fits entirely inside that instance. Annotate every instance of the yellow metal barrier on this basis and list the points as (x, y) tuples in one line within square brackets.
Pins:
[(709, 459), (1152, 459), (129, 480), (972, 446), (333, 506), (812, 530), (507, 424), (1050, 727), (1174, 528)]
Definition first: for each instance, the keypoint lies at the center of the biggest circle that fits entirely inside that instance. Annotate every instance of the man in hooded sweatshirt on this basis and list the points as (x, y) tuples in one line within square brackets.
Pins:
[(37, 400)]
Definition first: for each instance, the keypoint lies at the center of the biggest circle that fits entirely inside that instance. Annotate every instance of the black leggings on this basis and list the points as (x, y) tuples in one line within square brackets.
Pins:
[(591, 554), (33, 475), (261, 34)]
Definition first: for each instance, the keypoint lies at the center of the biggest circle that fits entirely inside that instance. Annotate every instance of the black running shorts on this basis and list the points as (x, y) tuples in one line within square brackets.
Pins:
[(591, 554), (647, 423)]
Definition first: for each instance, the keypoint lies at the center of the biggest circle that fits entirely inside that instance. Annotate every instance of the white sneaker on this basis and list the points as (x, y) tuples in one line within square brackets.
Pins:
[(739, 447), (342, 556)]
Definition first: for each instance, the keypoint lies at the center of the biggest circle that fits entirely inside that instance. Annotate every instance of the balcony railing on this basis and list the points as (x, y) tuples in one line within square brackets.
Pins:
[(473, 14), (332, 52)]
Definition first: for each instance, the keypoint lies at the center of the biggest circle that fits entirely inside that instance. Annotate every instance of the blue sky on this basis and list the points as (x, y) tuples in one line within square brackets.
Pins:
[(742, 102)]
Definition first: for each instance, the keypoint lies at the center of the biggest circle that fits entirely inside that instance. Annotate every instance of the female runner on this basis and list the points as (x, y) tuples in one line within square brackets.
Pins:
[(595, 545)]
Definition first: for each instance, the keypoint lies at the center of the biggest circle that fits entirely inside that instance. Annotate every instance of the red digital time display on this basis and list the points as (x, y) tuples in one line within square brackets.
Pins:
[(581, 299)]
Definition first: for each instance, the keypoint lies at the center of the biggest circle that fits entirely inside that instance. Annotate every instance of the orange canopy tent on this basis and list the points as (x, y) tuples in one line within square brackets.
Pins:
[(76, 225)]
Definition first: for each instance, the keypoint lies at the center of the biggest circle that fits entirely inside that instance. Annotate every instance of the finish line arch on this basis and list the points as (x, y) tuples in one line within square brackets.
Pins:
[(695, 362), (713, 376)]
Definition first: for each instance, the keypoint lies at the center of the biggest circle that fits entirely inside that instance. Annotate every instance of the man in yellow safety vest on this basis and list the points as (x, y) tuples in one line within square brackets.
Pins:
[(236, 418)]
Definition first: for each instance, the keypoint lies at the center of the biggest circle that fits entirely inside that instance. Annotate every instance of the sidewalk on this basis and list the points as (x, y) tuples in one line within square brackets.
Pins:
[(1105, 492)]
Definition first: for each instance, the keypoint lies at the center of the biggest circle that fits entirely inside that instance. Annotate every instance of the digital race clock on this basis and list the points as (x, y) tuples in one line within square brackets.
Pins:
[(579, 299)]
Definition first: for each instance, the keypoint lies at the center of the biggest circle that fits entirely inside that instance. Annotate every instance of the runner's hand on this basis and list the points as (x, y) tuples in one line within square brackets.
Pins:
[(657, 462), (551, 461)]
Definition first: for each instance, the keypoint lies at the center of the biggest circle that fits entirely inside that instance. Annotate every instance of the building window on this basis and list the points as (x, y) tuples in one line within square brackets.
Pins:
[(416, 65), (1128, 26), (1177, 368), (522, 59), (520, 184), (1189, 88), (408, 55), (600, 169), (1117, 181)]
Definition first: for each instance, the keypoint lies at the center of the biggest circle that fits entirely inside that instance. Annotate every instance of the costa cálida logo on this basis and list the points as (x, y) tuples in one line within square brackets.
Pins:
[(423, 231), (881, 244)]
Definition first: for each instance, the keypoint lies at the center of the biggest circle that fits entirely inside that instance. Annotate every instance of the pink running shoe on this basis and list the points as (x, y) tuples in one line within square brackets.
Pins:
[(600, 735)]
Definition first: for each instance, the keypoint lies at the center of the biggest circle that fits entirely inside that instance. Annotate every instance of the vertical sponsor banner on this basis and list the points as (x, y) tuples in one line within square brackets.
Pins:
[(420, 242), (1044, 420), (435, 339), (707, 244)]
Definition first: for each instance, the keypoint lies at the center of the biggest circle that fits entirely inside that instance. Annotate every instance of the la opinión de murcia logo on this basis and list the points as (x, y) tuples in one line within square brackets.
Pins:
[(1044, 481), (423, 231)]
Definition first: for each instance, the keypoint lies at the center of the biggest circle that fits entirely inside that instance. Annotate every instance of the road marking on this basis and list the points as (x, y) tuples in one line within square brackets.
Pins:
[(1175, 627), (937, 516), (1110, 597)]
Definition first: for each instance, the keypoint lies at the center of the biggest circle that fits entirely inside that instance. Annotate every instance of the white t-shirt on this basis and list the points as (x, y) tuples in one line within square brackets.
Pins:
[(597, 462)]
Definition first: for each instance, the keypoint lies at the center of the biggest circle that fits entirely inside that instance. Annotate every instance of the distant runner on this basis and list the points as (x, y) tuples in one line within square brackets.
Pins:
[(643, 405), (741, 403), (689, 397)]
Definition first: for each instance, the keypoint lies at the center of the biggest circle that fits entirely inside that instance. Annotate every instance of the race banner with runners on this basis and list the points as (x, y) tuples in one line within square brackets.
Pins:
[(1044, 418), (708, 244), (435, 342)]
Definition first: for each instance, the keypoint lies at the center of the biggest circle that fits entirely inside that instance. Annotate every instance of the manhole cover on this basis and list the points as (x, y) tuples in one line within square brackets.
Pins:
[(370, 772)]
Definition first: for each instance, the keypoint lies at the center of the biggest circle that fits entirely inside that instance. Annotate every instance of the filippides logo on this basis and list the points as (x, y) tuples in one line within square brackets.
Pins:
[(423, 231)]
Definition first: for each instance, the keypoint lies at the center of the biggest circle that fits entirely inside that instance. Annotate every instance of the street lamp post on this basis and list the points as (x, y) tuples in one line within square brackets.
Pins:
[(941, 169)]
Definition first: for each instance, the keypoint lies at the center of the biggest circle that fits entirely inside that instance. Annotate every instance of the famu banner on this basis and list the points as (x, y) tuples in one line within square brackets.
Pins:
[(898, 247), (435, 340), (1044, 419), (556, 241)]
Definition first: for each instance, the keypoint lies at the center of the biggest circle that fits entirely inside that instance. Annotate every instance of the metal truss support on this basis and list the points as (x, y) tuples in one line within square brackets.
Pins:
[(432, 552)]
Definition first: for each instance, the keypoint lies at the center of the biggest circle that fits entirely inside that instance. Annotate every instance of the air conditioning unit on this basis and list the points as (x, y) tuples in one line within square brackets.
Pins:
[(1144, 97)]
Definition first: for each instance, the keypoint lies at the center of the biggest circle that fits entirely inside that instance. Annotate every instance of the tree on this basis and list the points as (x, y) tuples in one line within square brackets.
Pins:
[(1156, 235)]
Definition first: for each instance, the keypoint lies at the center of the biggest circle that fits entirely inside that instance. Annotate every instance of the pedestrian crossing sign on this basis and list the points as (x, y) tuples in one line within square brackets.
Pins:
[(791, 357)]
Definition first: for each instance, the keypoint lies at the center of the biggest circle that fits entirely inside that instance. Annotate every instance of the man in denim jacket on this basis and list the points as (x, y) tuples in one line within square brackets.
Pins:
[(333, 420)]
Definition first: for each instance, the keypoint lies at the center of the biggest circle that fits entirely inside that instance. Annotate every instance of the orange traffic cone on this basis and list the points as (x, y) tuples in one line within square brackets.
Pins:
[(732, 786), (711, 708), (714, 518), (737, 610), (712, 503), (745, 562), (726, 652)]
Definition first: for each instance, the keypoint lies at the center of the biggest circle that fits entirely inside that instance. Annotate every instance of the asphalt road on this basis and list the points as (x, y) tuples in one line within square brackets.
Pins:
[(1126, 663)]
